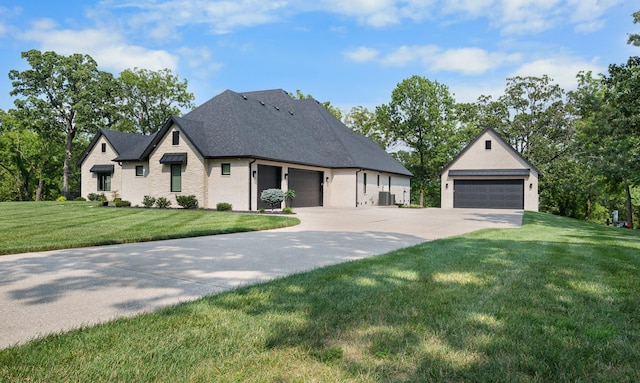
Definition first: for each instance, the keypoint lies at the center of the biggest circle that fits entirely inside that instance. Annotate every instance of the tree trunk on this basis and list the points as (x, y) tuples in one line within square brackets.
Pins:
[(629, 203), (587, 214), (66, 171)]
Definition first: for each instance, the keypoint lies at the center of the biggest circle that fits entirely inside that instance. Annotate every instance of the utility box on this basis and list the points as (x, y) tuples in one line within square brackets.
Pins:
[(384, 198)]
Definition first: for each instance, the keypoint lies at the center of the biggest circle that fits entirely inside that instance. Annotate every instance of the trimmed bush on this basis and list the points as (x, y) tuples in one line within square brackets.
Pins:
[(61, 199), (163, 203), (80, 199), (272, 197), (223, 206), (148, 201), (187, 201), (97, 197), (122, 203), (287, 210)]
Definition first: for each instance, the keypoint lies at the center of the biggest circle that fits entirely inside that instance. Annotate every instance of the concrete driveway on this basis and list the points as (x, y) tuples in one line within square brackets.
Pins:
[(53, 291)]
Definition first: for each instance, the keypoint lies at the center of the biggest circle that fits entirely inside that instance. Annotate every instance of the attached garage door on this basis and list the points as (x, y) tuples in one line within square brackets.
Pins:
[(308, 187), (269, 177), (488, 194)]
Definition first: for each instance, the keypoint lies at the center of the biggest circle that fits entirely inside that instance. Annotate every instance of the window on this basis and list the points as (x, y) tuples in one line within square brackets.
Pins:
[(378, 180), (139, 170), (104, 182), (104, 147), (365, 182), (176, 138), (487, 144), (176, 177), (226, 169)]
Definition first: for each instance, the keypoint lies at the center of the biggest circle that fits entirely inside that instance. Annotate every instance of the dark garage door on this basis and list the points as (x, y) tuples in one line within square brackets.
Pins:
[(308, 187), (269, 177), (488, 194)]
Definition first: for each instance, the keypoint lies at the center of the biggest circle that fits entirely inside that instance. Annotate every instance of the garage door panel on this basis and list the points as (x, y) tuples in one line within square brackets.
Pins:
[(489, 194), (307, 185)]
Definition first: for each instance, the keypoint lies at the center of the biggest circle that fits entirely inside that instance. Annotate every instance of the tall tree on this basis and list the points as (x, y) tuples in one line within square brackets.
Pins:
[(148, 98), (67, 93), (327, 104), (634, 38), (362, 121), (421, 116)]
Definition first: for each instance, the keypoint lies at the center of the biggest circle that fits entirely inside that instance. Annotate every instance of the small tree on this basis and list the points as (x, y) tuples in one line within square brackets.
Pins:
[(272, 197), (289, 195)]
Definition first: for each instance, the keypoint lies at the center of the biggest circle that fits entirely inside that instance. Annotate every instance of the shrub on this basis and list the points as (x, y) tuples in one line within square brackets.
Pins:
[(97, 197), (272, 197), (116, 200), (163, 203), (261, 211), (122, 203), (80, 199), (287, 210), (61, 199), (148, 201), (187, 201), (223, 206)]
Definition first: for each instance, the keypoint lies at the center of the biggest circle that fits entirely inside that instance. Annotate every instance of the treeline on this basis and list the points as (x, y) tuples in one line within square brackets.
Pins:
[(585, 141)]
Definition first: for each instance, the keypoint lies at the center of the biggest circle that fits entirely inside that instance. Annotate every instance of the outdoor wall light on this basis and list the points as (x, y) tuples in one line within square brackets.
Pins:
[(530, 186), (446, 186), (326, 179), (254, 173), (286, 175)]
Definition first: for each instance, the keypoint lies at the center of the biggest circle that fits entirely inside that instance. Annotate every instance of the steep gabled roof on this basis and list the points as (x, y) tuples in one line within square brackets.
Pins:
[(266, 125), (128, 146), (496, 134), (273, 126)]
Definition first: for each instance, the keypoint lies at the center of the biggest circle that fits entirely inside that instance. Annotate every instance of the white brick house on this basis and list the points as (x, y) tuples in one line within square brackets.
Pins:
[(237, 144)]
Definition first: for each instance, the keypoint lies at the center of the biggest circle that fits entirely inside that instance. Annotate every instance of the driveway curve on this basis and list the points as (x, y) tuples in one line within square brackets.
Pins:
[(47, 292)]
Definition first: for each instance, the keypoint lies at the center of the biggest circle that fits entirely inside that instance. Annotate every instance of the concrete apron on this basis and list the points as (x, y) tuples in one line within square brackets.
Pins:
[(47, 292)]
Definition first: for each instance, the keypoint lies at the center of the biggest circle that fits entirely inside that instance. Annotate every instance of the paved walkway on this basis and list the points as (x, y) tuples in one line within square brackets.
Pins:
[(53, 291)]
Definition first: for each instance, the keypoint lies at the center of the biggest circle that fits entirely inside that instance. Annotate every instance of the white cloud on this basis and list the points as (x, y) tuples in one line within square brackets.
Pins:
[(201, 60), (468, 61), (362, 54), (107, 47), (562, 69)]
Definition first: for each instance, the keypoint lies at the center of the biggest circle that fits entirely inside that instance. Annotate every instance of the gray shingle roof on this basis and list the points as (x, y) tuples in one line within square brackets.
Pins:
[(266, 125)]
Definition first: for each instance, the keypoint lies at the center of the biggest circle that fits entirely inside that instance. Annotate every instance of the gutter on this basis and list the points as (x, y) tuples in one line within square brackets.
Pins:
[(250, 181), (357, 171)]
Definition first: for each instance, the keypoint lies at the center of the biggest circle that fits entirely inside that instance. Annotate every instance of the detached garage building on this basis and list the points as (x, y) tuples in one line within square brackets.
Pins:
[(490, 174)]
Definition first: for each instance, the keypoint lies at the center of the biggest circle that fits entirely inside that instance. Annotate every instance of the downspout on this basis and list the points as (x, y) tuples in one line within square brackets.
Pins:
[(250, 182), (357, 171)]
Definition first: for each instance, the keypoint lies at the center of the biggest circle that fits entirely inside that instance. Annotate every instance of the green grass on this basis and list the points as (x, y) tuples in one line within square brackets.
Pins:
[(37, 226), (555, 301)]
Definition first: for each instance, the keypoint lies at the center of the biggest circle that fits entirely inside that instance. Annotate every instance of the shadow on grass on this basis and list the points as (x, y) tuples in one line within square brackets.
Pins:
[(471, 309)]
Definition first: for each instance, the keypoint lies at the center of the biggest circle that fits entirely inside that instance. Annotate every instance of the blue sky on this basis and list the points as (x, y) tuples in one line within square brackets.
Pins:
[(346, 52)]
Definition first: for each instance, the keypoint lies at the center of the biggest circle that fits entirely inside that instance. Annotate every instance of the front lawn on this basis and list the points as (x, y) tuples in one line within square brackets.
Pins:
[(36, 226), (557, 300)]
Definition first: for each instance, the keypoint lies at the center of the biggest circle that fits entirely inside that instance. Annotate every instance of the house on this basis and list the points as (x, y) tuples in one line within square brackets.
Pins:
[(236, 145), (489, 173)]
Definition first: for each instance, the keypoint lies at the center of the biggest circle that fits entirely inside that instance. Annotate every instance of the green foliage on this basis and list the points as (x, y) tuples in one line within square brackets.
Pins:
[(364, 122), (261, 210), (634, 38), (337, 113), (61, 199), (421, 116), (187, 201), (224, 206), (149, 98), (148, 201), (287, 210), (80, 199), (122, 203), (96, 197), (272, 197), (163, 203)]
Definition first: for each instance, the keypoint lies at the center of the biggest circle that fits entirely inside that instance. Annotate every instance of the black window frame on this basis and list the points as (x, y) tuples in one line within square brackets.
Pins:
[(487, 144), (364, 176), (173, 187), (225, 169), (139, 168), (103, 147), (104, 182), (175, 138)]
